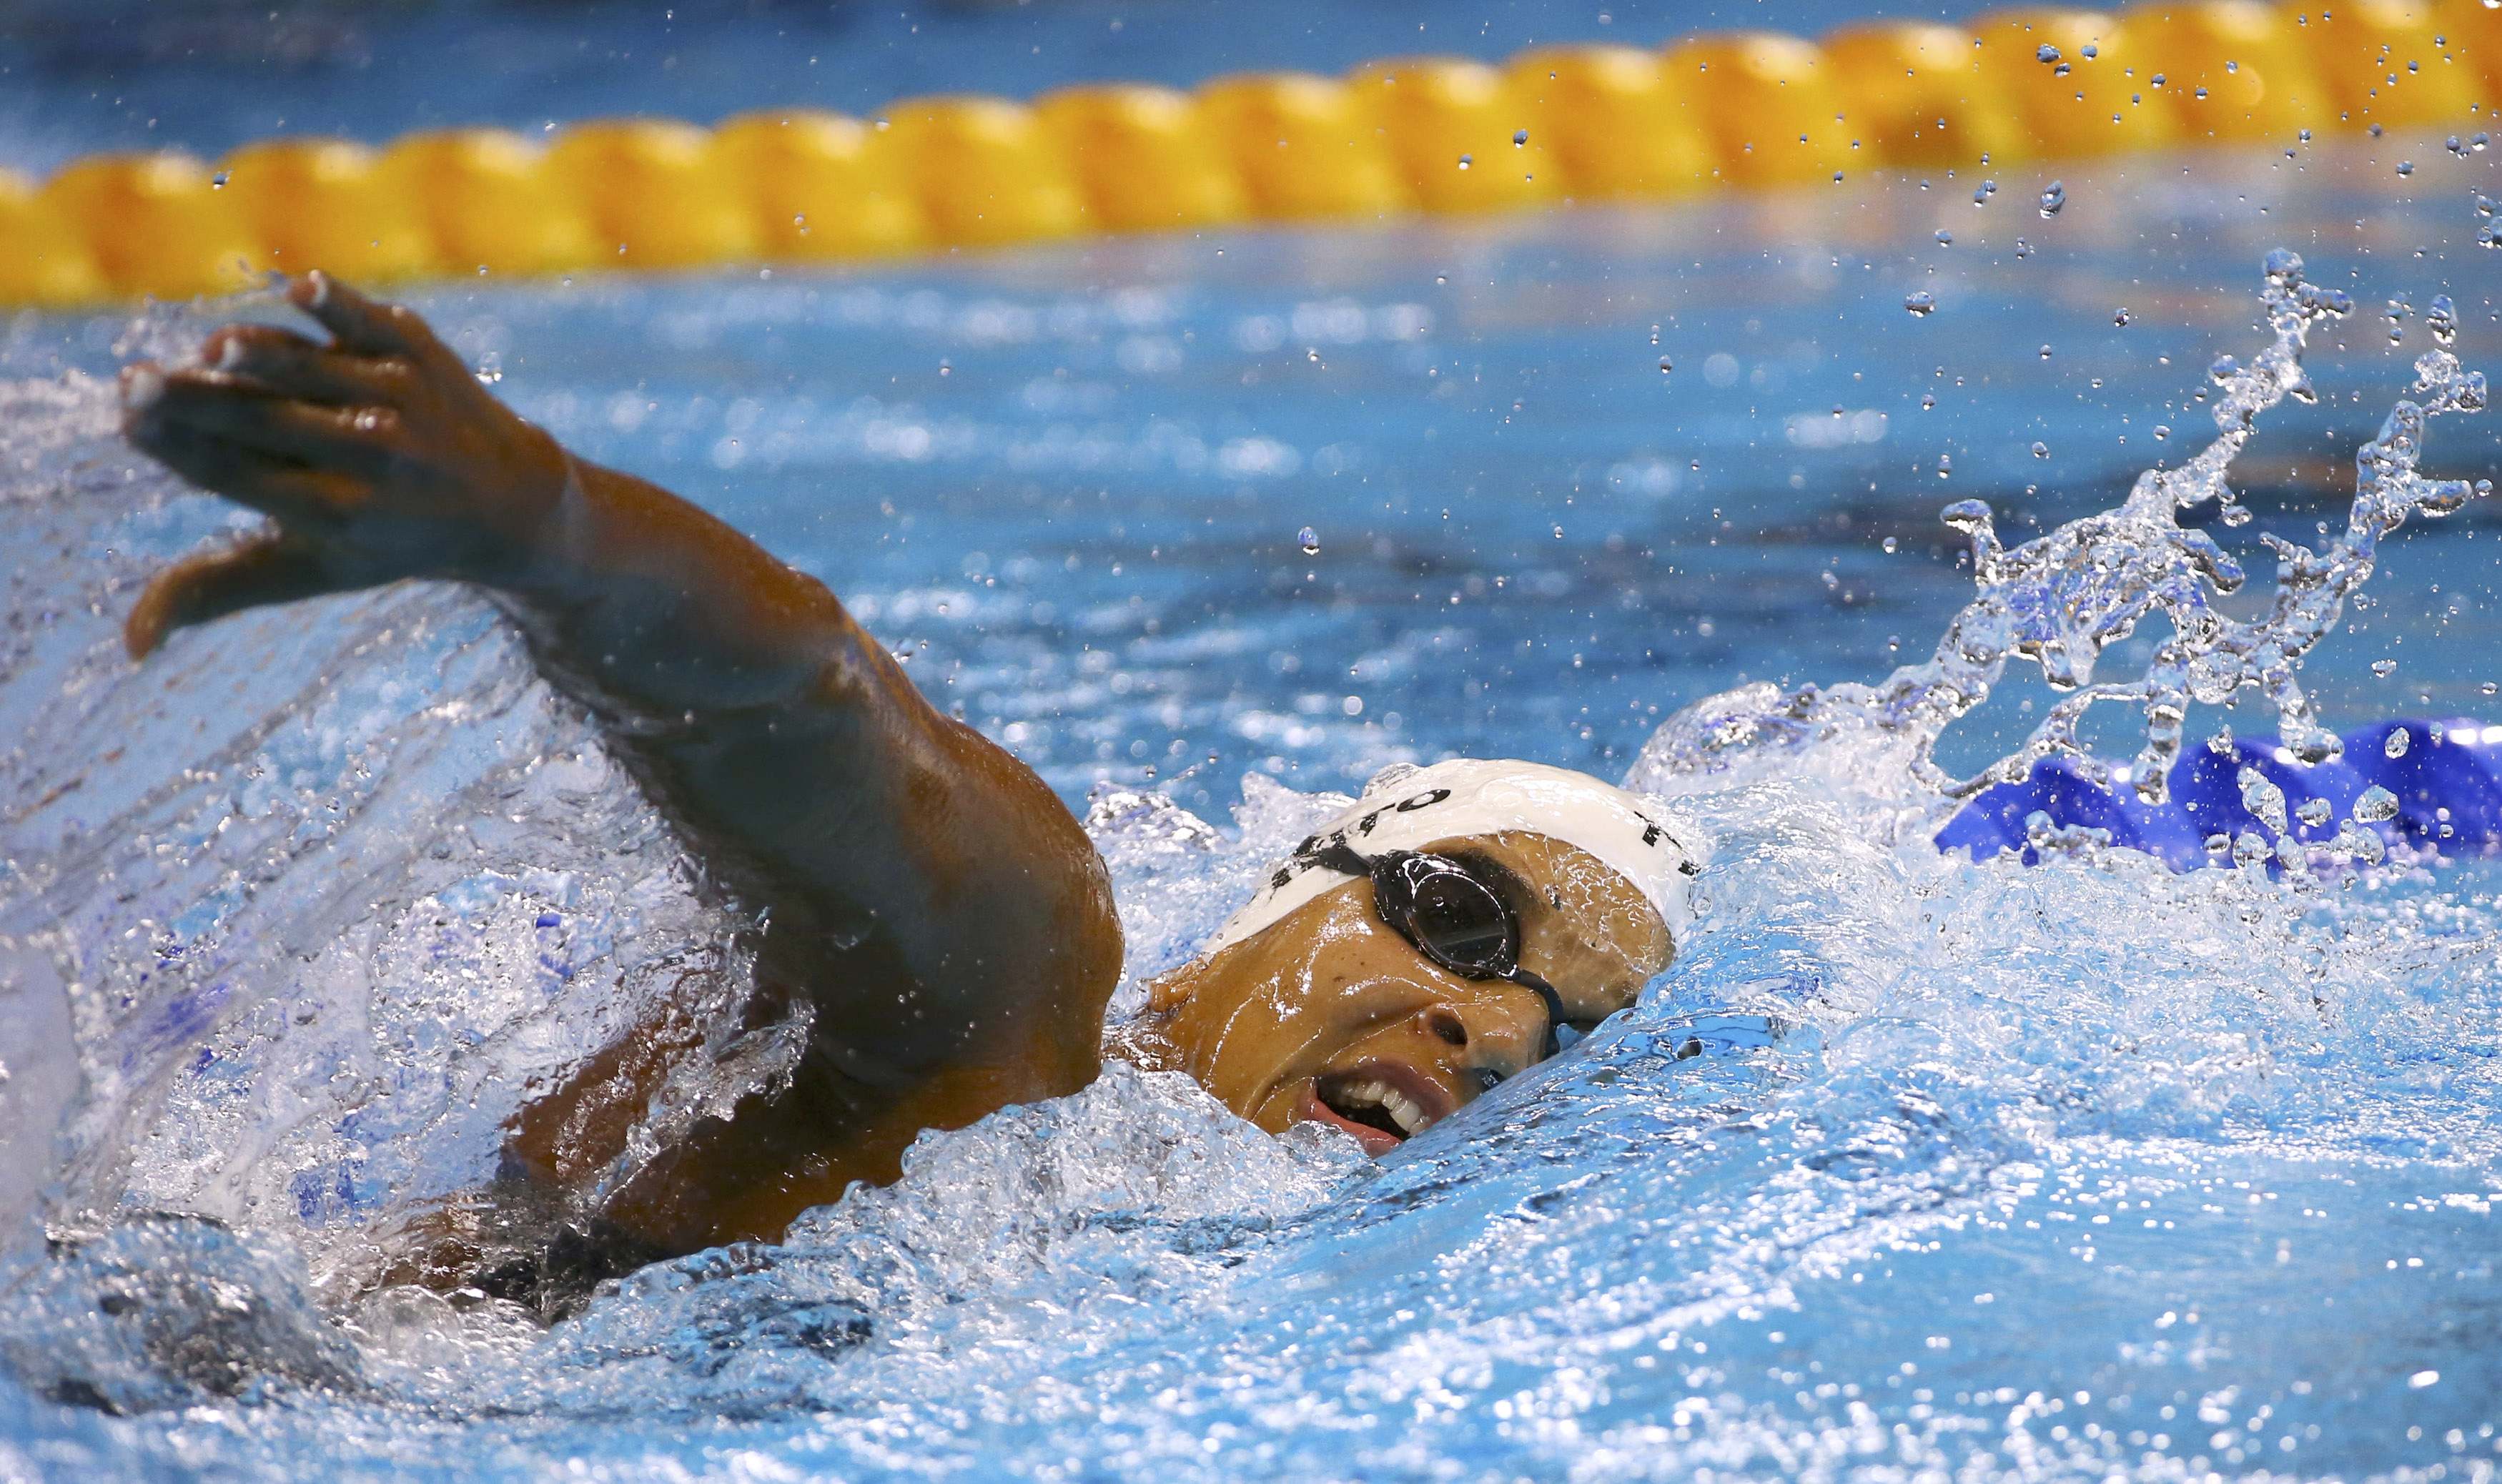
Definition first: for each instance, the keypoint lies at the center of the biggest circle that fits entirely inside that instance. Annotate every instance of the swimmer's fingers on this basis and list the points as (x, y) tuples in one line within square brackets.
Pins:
[(361, 325), (273, 567), (175, 409), (267, 482), (290, 365)]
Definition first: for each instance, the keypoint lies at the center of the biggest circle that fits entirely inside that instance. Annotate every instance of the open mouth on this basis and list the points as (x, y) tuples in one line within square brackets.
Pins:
[(1383, 1105)]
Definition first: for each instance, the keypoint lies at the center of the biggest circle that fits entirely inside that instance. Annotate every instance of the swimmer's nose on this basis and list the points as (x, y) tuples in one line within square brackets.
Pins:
[(1491, 1038)]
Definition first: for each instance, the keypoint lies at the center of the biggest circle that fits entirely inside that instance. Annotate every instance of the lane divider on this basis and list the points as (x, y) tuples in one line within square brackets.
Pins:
[(1389, 140)]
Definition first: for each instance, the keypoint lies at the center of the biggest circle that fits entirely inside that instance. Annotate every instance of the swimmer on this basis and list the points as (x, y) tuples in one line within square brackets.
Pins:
[(921, 899)]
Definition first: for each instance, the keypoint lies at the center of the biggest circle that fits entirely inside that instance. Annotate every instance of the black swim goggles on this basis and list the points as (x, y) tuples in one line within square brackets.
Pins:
[(1450, 913)]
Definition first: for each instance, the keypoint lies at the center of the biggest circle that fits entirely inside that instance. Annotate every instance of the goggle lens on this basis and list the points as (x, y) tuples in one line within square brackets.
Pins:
[(1458, 919)]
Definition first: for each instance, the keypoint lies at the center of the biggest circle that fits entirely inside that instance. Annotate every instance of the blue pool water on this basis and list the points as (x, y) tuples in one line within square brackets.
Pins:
[(2087, 1169)]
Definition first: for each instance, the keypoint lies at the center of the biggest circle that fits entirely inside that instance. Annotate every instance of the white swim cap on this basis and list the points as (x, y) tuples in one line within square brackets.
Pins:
[(1409, 808)]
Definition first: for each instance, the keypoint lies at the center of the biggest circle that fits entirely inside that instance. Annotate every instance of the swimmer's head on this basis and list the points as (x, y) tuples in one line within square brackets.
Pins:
[(1423, 946)]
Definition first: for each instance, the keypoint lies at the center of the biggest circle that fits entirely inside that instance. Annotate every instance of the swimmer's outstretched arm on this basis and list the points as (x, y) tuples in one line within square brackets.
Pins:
[(936, 907)]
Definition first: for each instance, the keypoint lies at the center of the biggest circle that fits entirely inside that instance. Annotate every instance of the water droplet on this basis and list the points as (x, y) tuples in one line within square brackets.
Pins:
[(1946, 239), (2399, 740), (2261, 796), (1920, 302), (1519, 136), (1927, 401), (491, 368), (1945, 466), (2161, 432), (2023, 249), (2477, 143), (2232, 66), (2406, 167), (2054, 197), (2119, 316), (1666, 365), (2313, 812), (1463, 161), (2045, 353), (2089, 51), (2303, 136), (2442, 319), (1888, 546), (217, 181), (1309, 540), (2383, 669), (2047, 53), (2223, 369), (2041, 450), (2061, 71), (2377, 803)]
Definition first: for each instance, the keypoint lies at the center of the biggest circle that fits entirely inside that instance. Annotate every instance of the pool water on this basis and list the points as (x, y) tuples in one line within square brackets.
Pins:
[(2090, 1168)]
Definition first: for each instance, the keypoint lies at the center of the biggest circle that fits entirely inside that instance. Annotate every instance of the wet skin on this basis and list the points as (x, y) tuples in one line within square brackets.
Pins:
[(1329, 1013), (920, 895)]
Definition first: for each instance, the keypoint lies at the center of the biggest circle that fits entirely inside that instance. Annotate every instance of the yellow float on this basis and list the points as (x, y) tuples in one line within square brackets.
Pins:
[(2235, 69), (1766, 105), (46, 265), (325, 203), (985, 170), (812, 188), (2078, 81), (1457, 134), (486, 206), (651, 194), (155, 224), (1619, 126), (1144, 157), (1305, 147), (1915, 95)]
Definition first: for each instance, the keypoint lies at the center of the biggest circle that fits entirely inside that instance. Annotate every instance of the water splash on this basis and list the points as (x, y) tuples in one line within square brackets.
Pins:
[(2061, 599)]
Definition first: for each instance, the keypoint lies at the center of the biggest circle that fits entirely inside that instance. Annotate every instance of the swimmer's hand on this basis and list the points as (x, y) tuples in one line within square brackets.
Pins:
[(377, 456)]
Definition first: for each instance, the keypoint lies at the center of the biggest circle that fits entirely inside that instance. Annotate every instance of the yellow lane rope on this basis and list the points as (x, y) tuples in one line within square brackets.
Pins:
[(1389, 140)]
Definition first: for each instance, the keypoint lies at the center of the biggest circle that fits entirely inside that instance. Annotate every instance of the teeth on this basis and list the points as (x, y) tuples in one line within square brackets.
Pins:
[(1409, 1118), (1404, 1111)]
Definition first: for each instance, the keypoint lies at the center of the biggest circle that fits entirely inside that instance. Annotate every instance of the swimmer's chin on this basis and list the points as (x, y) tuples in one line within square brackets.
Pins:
[(1378, 1102)]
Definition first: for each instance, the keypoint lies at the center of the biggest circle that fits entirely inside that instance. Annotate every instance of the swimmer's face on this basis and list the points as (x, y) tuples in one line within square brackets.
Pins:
[(1330, 1015)]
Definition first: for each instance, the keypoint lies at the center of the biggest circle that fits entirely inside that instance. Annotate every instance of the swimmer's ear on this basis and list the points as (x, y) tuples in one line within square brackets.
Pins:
[(1174, 989), (268, 568)]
